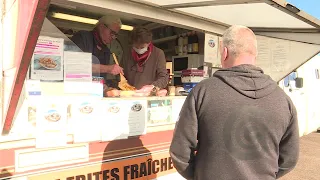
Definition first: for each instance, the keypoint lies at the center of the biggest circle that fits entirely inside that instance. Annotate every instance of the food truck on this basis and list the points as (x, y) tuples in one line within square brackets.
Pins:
[(57, 122)]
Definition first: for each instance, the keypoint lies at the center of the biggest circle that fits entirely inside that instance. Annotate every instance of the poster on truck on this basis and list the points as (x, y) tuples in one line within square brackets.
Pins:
[(211, 50), (114, 120), (83, 118), (47, 61), (51, 123)]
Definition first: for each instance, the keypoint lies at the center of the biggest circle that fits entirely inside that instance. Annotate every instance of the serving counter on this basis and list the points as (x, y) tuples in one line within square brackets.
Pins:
[(120, 138)]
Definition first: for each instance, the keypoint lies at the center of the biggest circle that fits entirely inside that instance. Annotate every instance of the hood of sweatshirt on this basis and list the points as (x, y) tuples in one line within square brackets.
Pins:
[(247, 79)]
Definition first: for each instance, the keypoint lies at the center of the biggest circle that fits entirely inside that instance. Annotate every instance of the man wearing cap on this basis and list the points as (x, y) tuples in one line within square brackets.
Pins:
[(96, 42)]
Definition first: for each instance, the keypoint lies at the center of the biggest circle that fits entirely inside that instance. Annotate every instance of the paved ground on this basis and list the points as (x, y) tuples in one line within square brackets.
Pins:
[(308, 167)]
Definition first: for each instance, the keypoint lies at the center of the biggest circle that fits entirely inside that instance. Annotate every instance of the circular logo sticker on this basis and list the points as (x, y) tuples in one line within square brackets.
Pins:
[(245, 136), (211, 43), (136, 107)]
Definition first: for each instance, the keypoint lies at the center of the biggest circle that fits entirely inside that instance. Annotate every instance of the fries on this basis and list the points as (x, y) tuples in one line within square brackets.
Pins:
[(123, 84), (47, 62)]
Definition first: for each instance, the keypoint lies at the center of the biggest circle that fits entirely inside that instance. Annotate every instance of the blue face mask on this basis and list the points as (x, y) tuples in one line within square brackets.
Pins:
[(141, 51)]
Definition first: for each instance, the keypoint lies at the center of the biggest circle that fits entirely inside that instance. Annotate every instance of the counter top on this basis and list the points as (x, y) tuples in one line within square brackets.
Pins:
[(145, 98)]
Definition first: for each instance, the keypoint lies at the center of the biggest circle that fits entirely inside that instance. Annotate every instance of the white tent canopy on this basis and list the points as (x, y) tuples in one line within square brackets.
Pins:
[(260, 15), (257, 14), (251, 13)]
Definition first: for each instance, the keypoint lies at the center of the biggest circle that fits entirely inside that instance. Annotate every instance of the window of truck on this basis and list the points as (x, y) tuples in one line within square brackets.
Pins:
[(82, 121)]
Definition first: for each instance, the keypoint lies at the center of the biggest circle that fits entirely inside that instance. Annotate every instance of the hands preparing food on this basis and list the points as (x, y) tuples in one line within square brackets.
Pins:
[(115, 69), (145, 91)]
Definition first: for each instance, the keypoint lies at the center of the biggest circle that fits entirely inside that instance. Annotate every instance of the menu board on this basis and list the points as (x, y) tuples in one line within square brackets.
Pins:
[(84, 119), (51, 123), (274, 55), (211, 44), (280, 55), (47, 61), (264, 53), (77, 72), (137, 117), (114, 122)]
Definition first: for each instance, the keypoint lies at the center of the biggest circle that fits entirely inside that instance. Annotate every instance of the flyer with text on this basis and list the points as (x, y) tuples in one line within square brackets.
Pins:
[(47, 61)]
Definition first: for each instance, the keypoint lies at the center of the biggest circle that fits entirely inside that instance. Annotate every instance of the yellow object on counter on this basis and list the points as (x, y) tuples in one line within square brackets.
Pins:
[(127, 93), (172, 90)]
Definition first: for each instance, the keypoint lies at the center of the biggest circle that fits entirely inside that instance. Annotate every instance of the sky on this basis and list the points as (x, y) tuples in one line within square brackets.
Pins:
[(312, 7)]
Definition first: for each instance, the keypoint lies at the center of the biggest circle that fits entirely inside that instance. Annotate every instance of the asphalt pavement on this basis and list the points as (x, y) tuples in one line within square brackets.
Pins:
[(308, 167)]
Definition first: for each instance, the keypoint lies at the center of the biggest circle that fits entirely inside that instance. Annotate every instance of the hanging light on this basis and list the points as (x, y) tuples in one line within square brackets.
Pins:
[(85, 20)]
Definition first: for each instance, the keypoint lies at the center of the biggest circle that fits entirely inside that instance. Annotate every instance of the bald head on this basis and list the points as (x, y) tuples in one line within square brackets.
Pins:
[(110, 20), (238, 46), (108, 28)]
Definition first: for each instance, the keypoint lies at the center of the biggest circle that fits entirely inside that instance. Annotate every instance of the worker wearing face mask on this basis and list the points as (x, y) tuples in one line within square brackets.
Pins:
[(146, 65)]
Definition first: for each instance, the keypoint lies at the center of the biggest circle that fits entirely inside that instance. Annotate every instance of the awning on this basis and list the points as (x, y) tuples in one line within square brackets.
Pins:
[(275, 14)]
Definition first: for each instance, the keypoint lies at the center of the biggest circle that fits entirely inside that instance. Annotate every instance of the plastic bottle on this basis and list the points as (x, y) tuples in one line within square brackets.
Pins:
[(190, 42), (195, 45), (180, 44), (176, 48), (185, 44)]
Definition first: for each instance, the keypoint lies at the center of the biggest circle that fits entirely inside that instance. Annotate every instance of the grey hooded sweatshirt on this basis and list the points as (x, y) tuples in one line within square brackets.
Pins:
[(237, 125)]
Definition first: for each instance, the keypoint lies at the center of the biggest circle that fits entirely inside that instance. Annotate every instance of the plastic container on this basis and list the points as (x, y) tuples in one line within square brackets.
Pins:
[(188, 86), (192, 72)]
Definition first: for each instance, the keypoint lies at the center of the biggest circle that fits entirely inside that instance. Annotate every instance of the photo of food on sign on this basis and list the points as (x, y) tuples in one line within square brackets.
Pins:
[(86, 108), (47, 62), (52, 116), (114, 109)]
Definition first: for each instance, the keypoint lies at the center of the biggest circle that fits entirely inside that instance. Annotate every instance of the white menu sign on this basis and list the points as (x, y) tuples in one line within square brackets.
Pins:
[(137, 119), (85, 120), (77, 66), (51, 123), (77, 72), (211, 46), (114, 122)]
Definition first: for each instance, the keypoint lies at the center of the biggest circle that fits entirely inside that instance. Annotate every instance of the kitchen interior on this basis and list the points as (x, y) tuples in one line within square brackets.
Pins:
[(183, 47)]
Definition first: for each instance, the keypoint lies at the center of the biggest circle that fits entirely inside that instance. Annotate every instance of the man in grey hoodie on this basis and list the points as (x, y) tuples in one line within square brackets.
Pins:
[(237, 125)]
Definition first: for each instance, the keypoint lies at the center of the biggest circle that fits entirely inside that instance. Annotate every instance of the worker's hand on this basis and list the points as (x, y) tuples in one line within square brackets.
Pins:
[(115, 69), (146, 88)]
